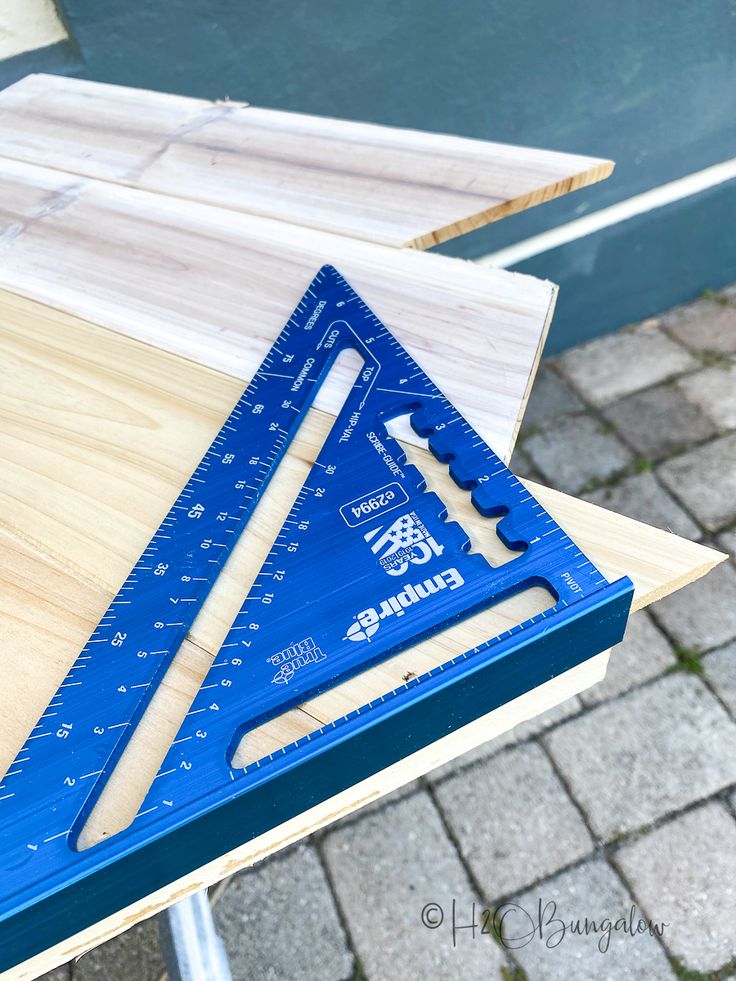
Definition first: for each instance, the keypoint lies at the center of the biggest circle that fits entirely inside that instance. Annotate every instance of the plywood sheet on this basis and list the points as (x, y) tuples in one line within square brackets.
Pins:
[(171, 239)]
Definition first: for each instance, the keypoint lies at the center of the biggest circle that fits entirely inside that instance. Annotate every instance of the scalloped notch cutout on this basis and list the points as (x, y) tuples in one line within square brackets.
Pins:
[(481, 529)]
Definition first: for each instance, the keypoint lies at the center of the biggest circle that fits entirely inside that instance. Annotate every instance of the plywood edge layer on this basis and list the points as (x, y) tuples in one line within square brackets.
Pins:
[(593, 174), (535, 367)]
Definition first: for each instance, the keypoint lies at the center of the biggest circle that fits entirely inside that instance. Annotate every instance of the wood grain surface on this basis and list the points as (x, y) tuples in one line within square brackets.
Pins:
[(217, 286), (394, 186)]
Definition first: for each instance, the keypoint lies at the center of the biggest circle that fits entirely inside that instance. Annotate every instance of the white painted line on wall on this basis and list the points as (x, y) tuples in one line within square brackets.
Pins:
[(26, 25), (639, 204)]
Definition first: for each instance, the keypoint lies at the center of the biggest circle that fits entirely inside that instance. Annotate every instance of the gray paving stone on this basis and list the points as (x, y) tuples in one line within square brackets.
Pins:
[(386, 868), (278, 922), (720, 670), (525, 730), (540, 723), (713, 390), (576, 451), (644, 654), (134, 954), (550, 399), (703, 326), (591, 890), (684, 873), (704, 480), (513, 820), (641, 756), (703, 614), (659, 421), (62, 973), (406, 790), (624, 362), (641, 496), (727, 541), (522, 466)]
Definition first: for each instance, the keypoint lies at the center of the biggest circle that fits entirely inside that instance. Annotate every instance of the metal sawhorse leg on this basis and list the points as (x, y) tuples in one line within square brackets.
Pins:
[(192, 949)]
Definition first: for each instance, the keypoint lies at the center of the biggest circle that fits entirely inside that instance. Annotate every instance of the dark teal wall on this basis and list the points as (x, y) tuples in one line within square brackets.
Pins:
[(649, 84), (640, 267)]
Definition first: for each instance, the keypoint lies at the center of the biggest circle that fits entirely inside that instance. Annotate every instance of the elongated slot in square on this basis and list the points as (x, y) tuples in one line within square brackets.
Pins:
[(337, 702), (127, 786), (441, 647)]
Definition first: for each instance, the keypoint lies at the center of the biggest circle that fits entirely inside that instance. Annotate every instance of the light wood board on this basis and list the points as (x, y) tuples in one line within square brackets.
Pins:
[(217, 286), (394, 186)]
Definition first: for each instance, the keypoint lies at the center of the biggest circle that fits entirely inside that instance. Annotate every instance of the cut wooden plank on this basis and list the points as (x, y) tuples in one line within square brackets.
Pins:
[(93, 129), (217, 287), (394, 186)]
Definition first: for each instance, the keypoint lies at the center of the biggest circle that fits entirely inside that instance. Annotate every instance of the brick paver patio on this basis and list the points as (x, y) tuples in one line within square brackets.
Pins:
[(625, 796)]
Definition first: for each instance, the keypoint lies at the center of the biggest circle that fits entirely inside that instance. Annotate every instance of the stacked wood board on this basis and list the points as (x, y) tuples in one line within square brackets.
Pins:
[(152, 248)]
